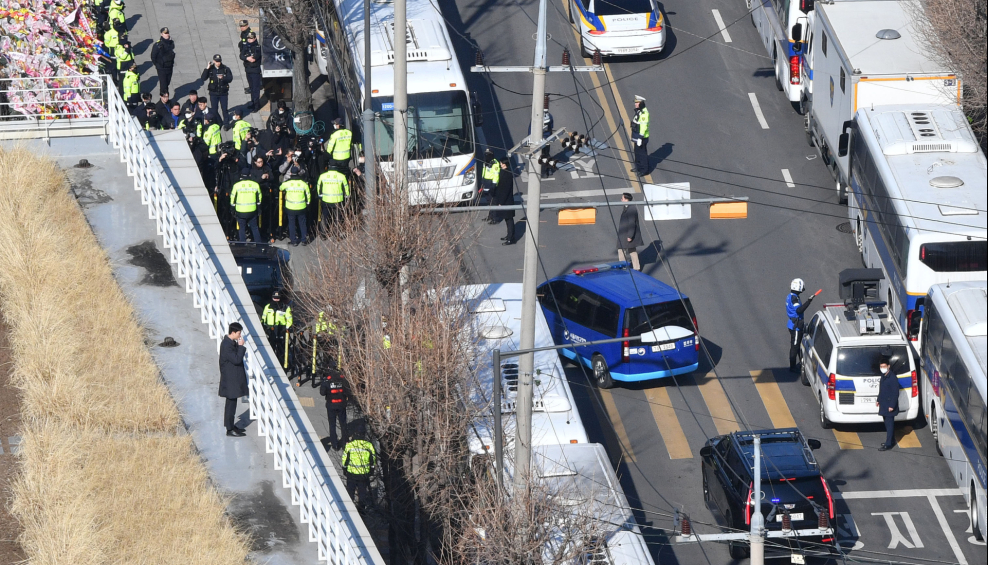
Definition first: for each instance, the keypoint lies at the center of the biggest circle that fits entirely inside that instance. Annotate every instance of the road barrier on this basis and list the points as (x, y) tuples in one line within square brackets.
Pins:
[(315, 485)]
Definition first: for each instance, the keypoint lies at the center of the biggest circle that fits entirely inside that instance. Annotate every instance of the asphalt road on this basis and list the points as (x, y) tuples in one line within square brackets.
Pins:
[(705, 131)]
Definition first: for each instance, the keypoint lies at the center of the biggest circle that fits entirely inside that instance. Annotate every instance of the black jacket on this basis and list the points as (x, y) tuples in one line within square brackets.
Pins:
[(163, 53), (888, 393), (334, 387), (194, 106), (233, 376), (217, 79), (629, 228), (251, 50), (504, 195)]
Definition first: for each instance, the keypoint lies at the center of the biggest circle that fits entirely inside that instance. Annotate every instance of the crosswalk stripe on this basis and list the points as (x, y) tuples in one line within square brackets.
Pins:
[(668, 424), (906, 437), (717, 403), (615, 417), (775, 404), (848, 440)]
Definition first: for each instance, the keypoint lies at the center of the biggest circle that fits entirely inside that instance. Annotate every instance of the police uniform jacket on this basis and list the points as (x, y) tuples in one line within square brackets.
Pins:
[(163, 53), (251, 50), (215, 84), (629, 227), (233, 376), (334, 388)]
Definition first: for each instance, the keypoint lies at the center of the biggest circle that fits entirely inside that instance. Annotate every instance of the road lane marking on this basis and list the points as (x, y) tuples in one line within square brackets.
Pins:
[(895, 536), (717, 403), (958, 554), (615, 417), (721, 26), (771, 394), (905, 437), (848, 440), (788, 177), (668, 424), (758, 110), (904, 493)]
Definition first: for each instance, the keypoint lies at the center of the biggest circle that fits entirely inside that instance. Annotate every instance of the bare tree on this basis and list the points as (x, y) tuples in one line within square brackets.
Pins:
[(294, 23), (957, 34)]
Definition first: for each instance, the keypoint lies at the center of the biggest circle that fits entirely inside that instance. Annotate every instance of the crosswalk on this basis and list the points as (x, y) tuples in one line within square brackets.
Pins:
[(718, 414)]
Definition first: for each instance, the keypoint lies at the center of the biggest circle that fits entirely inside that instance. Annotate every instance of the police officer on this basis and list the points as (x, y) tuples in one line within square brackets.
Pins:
[(639, 136), (359, 458), (163, 57), (490, 178), (333, 189), (264, 176), (218, 77), (115, 14), (250, 54), (245, 197), (794, 311), (124, 58), (245, 31), (277, 320), (240, 128), (131, 86), (211, 134), (297, 198), (338, 146), (334, 388)]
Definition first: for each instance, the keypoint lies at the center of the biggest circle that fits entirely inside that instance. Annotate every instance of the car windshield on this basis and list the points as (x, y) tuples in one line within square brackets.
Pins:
[(260, 274), (438, 125), (621, 7), (672, 313), (863, 361)]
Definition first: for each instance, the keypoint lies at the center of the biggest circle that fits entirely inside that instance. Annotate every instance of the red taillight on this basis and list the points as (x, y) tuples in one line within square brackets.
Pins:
[(910, 333), (656, 28), (696, 335), (747, 508), (915, 391), (625, 353), (585, 271), (794, 69), (830, 499), (596, 32), (832, 387)]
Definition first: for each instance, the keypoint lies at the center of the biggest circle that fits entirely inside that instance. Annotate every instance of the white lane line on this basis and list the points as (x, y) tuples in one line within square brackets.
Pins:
[(720, 24), (585, 193), (788, 177), (958, 554), (864, 494), (758, 110)]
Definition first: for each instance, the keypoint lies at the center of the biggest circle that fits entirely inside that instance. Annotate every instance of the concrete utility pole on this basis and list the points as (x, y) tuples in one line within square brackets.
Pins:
[(757, 520), (401, 101), (370, 172)]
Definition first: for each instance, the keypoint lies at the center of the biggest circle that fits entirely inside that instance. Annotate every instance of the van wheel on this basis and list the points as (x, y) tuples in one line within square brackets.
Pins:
[(583, 49), (601, 374), (802, 375), (706, 487), (825, 422), (975, 520), (935, 429), (738, 550)]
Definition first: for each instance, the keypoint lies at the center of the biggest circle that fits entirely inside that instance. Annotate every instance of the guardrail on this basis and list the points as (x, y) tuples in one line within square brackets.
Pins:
[(306, 471), (49, 107)]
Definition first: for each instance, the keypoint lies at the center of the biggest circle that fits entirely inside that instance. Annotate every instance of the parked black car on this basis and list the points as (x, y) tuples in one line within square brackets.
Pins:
[(264, 269), (791, 483)]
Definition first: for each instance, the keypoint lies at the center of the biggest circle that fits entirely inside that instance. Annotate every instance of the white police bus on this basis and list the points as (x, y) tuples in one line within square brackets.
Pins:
[(919, 194), (441, 141), (954, 352), (782, 25)]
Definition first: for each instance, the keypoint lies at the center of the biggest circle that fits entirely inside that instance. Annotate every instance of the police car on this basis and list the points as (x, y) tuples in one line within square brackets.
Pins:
[(842, 348), (618, 27)]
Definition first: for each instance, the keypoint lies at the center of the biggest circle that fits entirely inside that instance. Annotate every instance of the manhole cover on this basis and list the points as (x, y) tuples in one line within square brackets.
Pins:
[(844, 228)]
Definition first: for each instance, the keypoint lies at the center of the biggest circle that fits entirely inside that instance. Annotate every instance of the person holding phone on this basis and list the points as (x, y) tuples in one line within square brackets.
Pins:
[(218, 77), (233, 376)]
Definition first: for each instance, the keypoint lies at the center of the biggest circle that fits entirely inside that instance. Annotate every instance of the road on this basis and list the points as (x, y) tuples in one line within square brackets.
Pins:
[(719, 123)]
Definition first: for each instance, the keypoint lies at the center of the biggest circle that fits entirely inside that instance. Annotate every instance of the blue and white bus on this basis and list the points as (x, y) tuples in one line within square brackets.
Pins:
[(442, 167), (954, 353), (782, 25), (919, 201)]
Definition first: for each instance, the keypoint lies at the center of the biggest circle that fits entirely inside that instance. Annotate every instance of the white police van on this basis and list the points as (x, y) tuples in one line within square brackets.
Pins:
[(842, 347)]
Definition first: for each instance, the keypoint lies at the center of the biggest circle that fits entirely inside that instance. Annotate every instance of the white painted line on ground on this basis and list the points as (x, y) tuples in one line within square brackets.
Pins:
[(584, 193), (865, 494), (720, 24), (758, 110), (788, 177), (958, 554)]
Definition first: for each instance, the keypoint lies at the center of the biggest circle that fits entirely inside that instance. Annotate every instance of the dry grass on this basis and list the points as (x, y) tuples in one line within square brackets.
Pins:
[(106, 479)]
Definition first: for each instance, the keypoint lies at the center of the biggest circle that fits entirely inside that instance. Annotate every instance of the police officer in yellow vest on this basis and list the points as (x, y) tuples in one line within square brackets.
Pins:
[(240, 128), (131, 85), (297, 198), (639, 136), (338, 146), (359, 459), (211, 134), (124, 57), (115, 15), (333, 191), (490, 177), (276, 318), (245, 196)]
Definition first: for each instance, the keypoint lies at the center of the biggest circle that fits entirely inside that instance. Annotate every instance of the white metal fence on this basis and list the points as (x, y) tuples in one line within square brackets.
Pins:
[(315, 486)]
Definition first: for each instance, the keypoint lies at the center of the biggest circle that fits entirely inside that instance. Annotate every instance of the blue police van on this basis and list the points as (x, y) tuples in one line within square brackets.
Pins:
[(610, 301)]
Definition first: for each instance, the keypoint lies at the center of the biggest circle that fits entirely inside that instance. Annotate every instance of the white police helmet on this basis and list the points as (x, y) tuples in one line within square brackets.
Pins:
[(797, 285)]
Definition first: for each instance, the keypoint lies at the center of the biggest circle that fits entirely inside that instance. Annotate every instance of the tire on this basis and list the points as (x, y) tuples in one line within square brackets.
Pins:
[(808, 126), (583, 50), (935, 429), (858, 235), (778, 78), (804, 107), (570, 12), (601, 374), (825, 422), (802, 376), (737, 550), (975, 523), (706, 487), (841, 192)]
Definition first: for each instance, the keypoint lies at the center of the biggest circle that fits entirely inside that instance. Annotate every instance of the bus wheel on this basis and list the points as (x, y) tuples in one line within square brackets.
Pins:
[(825, 422), (808, 125), (935, 429), (778, 75), (841, 192), (975, 519), (601, 373)]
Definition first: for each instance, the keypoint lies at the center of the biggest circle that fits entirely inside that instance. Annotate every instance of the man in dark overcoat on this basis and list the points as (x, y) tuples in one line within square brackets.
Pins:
[(233, 376), (888, 401), (504, 195), (629, 234)]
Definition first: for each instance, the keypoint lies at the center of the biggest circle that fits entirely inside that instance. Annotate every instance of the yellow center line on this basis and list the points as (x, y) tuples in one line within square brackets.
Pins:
[(906, 437), (615, 418), (775, 404), (668, 424), (717, 403), (848, 440)]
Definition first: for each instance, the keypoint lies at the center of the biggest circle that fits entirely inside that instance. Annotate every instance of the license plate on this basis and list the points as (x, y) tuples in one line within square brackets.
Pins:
[(663, 347), (795, 516), (797, 558), (867, 399), (627, 50)]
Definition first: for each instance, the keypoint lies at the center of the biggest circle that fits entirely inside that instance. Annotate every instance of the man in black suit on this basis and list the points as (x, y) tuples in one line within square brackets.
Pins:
[(233, 376)]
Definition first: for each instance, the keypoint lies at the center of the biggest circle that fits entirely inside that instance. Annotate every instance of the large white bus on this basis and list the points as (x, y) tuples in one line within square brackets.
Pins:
[(782, 26), (918, 201), (442, 167), (954, 353)]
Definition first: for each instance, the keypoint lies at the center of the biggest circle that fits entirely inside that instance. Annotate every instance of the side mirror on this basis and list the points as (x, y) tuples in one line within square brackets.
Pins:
[(478, 112), (842, 144), (797, 33), (813, 443), (706, 451)]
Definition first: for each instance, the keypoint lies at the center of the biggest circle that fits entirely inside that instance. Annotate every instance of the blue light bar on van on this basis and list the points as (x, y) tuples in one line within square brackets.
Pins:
[(601, 267)]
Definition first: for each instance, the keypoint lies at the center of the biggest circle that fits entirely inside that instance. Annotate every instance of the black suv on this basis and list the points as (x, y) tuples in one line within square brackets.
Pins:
[(791, 482), (264, 269)]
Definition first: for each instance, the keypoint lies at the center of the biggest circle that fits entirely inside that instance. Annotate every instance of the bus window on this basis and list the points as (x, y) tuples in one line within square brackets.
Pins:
[(823, 44), (955, 256), (933, 334)]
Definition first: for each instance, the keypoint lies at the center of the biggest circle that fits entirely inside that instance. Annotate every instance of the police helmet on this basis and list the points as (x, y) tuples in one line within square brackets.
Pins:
[(797, 285)]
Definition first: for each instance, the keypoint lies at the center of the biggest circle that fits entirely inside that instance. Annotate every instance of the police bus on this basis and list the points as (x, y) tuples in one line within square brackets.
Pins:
[(781, 25), (441, 141), (919, 194), (954, 353)]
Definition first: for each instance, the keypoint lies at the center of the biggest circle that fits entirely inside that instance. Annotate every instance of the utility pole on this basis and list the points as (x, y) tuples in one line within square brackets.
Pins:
[(400, 100), (370, 172), (757, 520), (526, 365)]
